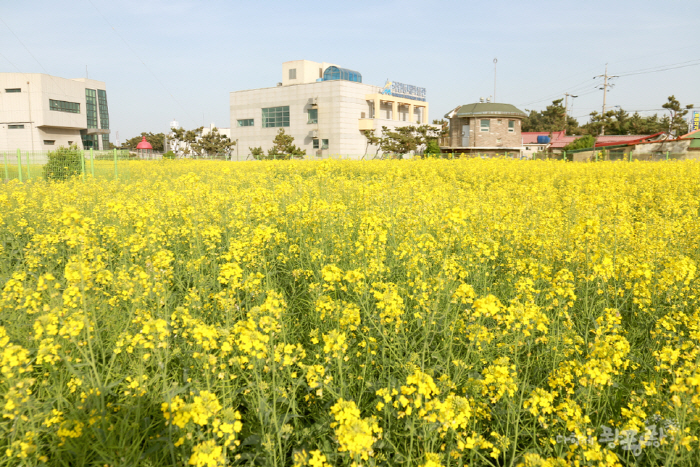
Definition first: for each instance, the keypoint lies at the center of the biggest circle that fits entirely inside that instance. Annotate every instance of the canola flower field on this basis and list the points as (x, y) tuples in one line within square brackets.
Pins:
[(386, 313)]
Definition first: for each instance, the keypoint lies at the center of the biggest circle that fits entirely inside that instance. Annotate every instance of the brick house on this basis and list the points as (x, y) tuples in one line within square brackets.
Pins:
[(485, 128)]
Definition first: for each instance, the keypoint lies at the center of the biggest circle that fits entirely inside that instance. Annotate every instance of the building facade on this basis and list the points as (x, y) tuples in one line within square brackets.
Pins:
[(485, 128), (40, 112), (325, 108)]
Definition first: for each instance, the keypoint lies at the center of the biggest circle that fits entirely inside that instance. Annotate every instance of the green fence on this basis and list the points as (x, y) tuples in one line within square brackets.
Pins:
[(63, 164)]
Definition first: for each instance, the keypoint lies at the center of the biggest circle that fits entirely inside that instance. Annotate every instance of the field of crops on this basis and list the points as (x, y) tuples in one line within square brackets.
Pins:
[(337, 313)]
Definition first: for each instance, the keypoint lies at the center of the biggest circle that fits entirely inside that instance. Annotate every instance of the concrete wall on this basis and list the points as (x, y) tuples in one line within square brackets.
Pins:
[(30, 107), (306, 71), (497, 135), (341, 105)]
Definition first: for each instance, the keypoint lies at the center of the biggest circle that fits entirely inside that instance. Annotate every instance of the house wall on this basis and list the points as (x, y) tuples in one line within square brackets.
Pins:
[(497, 136)]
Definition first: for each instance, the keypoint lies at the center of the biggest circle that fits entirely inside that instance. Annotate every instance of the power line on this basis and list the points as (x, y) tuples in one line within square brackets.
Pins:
[(32, 55), (665, 68), (140, 60)]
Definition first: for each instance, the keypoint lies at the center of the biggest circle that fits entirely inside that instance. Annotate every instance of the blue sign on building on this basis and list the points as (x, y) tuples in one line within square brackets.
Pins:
[(405, 91)]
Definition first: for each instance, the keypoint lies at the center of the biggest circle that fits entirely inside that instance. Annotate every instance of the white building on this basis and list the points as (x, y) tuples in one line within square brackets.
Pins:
[(42, 112), (325, 108)]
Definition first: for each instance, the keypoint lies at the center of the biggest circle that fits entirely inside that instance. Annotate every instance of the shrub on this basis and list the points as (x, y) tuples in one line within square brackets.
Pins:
[(63, 163), (169, 155)]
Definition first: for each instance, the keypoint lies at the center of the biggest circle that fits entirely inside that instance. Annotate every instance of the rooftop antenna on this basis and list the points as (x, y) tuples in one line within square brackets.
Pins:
[(495, 61)]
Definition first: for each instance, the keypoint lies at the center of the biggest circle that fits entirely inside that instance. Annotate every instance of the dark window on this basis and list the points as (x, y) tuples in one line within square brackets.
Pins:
[(91, 107), (315, 140), (15, 127), (104, 112), (313, 116), (49, 142), (275, 117), (246, 122), (292, 73), (13, 90), (485, 125), (324, 144), (63, 106)]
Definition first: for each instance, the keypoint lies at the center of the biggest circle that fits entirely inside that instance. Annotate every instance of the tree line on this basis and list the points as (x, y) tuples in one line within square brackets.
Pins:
[(615, 122)]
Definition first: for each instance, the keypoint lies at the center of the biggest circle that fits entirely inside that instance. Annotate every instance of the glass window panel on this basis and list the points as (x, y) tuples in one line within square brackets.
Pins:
[(275, 117), (13, 90), (62, 106), (324, 144), (313, 116), (315, 142), (485, 125), (15, 127), (246, 122)]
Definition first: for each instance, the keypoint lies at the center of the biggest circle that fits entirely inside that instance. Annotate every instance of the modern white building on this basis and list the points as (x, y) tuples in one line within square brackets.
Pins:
[(40, 112), (325, 108)]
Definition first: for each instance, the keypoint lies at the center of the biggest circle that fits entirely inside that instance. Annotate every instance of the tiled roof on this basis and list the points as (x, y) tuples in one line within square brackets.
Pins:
[(487, 108)]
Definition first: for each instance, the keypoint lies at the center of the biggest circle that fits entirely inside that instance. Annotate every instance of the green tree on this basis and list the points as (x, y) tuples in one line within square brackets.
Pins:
[(372, 140), (406, 139), (63, 163), (284, 147), (553, 118), (677, 123), (583, 142), (257, 153), (184, 141), (157, 141), (213, 144)]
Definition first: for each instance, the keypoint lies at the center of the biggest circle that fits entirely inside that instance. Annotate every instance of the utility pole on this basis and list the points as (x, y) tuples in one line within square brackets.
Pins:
[(605, 86), (495, 61), (566, 108)]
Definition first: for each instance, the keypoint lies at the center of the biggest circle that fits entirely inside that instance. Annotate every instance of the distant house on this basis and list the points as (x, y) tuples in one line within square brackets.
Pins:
[(485, 128), (694, 146), (532, 145)]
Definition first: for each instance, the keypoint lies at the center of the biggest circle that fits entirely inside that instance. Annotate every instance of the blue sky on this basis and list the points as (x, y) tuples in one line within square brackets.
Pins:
[(181, 58)]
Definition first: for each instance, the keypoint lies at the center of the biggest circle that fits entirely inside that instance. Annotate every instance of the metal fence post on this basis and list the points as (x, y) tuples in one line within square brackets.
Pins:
[(19, 165), (115, 164), (92, 162), (7, 172), (29, 173), (82, 163)]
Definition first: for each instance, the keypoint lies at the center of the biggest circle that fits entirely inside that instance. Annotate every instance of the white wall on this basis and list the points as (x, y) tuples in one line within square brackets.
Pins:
[(31, 108)]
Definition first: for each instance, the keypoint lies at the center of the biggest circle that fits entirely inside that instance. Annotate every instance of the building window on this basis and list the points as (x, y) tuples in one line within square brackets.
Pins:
[(335, 73), (315, 142), (245, 122), (485, 125), (527, 148), (275, 117), (13, 90), (500, 122), (49, 142), (70, 143), (511, 126), (292, 73), (324, 144), (15, 127), (313, 116), (498, 141), (63, 106), (104, 111), (91, 107)]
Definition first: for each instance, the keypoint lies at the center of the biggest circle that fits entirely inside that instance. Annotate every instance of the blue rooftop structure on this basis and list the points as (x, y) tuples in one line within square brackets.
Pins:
[(334, 73)]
